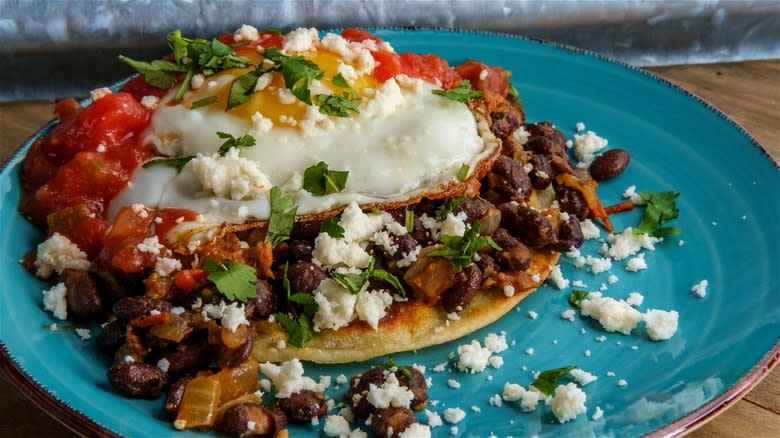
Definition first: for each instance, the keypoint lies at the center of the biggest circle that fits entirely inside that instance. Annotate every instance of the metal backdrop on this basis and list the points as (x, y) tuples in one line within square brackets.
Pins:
[(56, 48)]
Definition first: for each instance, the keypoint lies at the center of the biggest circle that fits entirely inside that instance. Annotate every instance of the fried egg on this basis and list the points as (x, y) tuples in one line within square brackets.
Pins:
[(405, 141)]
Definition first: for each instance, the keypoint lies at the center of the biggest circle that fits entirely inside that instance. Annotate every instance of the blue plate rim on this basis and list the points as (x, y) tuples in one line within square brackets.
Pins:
[(80, 423)]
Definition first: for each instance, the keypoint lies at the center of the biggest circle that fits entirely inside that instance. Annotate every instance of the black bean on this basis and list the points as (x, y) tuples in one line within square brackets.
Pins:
[(358, 388), (299, 250), (307, 230), (572, 201), (419, 232), (265, 303), (251, 419), (541, 174), (610, 164), (406, 244), (545, 140), (508, 179), (569, 235), (474, 208), (515, 258), (413, 379), (83, 297), (111, 336), (232, 357), (188, 358), (487, 264), (390, 422), (305, 276), (527, 224), (463, 291), (175, 394), (503, 239), (503, 124), (137, 379), (132, 307), (303, 406)]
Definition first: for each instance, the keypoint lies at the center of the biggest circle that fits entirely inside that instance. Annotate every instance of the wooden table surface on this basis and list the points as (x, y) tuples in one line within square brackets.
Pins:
[(749, 92)]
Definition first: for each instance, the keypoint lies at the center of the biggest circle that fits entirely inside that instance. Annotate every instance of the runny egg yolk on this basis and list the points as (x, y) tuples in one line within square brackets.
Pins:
[(266, 101)]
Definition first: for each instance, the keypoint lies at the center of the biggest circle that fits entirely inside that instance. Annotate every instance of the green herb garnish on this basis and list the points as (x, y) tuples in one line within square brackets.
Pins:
[(409, 220), (299, 330), (156, 72), (282, 219), (204, 102), (319, 181), (355, 282), (233, 142), (236, 281), (547, 380), (514, 94), (463, 172), (338, 106), (576, 297), (390, 364), (275, 30), (660, 207), (177, 162), (297, 71), (332, 228), (447, 206), (460, 250), (461, 93), (242, 87)]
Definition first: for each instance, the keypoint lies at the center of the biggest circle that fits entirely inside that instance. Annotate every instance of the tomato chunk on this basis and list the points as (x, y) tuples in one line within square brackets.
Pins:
[(430, 68), (388, 64), (120, 246), (495, 79), (353, 34), (81, 226)]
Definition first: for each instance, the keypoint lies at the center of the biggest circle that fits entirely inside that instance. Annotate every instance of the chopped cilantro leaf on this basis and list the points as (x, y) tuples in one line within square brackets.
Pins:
[(319, 181), (409, 220), (514, 94), (241, 89), (338, 106), (448, 205), (297, 71), (660, 207), (204, 102), (282, 219), (155, 72), (185, 83), (547, 380), (177, 162), (463, 172), (390, 365), (299, 330), (461, 93), (355, 282), (236, 281), (460, 250), (233, 142), (390, 279), (332, 228), (576, 297)]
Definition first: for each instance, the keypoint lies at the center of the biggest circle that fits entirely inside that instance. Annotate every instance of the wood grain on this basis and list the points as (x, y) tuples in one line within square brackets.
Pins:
[(749, 92)]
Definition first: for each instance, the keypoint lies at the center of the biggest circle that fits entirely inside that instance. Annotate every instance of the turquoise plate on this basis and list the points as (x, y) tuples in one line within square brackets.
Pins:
[(728, 212)]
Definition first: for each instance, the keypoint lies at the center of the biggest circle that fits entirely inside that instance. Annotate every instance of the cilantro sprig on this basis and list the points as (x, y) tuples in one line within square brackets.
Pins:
[(282, 219), (244, 141), (547, 380), (355, 282), (338, 106), (460, 93), (460, 250), (156, 72), (332, 228), (448, 205), (319, 180), (236, 281), (297, 71), (660, 208), (576, 297), (298, 328)]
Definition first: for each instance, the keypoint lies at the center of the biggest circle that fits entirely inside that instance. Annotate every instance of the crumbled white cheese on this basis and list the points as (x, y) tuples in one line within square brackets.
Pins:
[(164, 365), (700, 288), (556, 277), (495, 400), (568, 314), (613, 315), (568, 402), (231, 315), (598, 264), (332, 252), (514, 392), (612, 279), (383, 240), (597, 414), (496, 343), (336, 305), (261, 124), (166, 266), (246, 33), (336, 426), (54, 301), (231, 176), (509, 290), (416, 430), (496, 361), (150, 102), (434, 419), (580, 126), (301, 40), (288, 378), (637, 263), (453, 225), (409, 258), (359, 226), (632, 195), (58, 253), (589, 230), (390, 393), (622, 383), (388, 98), (627, 243), (473, 357), (635, 299), (372, 306), (529, 351), (83, 334), (454, 415), (586, 145), (454, 384), (532, 314), (660, 324), (99, 93), (582, 377), (197, 81)]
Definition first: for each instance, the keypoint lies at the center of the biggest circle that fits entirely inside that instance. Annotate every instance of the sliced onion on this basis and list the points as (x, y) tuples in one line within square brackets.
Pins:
[(199, 404)]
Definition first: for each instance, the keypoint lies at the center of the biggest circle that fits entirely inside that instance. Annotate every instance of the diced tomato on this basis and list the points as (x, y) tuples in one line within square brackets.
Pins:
[(107, 121), (168, 218), (150, 320), (388, 64), (189, 279), (353, 34), (496, 80), (138, 88), (120, 244), (264, 40), (429, 68), (79, 225)]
